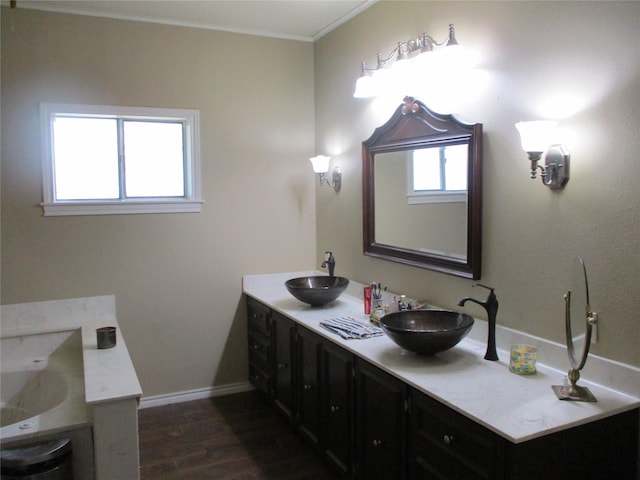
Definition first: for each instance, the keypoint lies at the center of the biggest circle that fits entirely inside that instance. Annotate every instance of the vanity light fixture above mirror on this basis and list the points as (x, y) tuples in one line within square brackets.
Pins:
[(407, 58), (321, 167), (536, 139)]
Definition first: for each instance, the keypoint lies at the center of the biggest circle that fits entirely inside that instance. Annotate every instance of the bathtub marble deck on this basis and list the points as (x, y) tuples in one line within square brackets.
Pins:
[(109, 374), (112, 389), (232, 437)]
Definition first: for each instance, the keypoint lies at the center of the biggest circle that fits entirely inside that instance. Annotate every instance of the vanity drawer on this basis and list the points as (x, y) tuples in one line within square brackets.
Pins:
[(451, 444), (259, 317), (259, 350), (260, 379)]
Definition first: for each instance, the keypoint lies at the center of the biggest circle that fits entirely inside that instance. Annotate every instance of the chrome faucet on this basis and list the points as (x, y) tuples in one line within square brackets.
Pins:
[(329, 262), (491, 306)]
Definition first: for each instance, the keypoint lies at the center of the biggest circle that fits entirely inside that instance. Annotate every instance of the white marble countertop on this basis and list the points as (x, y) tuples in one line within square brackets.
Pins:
[(109, 374), (518, 408)]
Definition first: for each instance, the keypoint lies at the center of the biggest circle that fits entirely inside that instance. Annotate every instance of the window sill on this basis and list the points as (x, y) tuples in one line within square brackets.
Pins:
[(440, 197), (59, 209)]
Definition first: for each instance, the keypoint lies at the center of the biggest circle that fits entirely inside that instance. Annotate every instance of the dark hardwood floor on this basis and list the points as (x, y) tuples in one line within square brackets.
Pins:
[(235, 437)]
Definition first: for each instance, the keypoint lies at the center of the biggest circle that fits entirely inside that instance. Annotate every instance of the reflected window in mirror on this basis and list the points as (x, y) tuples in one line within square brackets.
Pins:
[(438, 175)]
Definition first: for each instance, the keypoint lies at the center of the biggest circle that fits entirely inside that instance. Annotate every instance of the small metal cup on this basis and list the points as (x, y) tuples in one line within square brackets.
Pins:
[(106, 337)]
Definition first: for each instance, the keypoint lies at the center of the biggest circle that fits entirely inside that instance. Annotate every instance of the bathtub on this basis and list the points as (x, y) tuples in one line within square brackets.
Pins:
[(57, 384), (42, 385)]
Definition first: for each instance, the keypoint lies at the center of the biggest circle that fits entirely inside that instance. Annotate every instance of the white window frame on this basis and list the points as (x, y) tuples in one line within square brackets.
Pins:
[(191, 202)]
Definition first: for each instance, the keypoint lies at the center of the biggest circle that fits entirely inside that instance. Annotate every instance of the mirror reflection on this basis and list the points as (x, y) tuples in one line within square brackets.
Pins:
[(418, 188)]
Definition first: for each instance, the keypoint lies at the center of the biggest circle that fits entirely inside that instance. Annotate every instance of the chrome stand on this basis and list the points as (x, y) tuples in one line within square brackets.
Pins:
[(571, 391)]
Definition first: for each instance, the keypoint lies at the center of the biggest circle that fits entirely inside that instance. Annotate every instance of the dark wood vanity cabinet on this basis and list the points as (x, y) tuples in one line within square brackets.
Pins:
[(260, 349), (271, 355), (351, 411), (603, 449), (308, 381), (381, 420), (336, 410), (372, 426), (445, 445), (283, 338)]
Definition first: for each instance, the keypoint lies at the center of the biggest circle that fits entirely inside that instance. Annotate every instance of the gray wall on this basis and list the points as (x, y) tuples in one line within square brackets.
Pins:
[(176, 277), (576, 61)]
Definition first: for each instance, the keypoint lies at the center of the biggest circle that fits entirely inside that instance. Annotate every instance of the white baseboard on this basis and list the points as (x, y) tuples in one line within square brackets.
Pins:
[(197, 394)]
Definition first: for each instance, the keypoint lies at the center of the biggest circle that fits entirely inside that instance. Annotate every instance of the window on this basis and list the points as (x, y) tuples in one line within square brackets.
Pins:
[(438, 175), (112, 160)]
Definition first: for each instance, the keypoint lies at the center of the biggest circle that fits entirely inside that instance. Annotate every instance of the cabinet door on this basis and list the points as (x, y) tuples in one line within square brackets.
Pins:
[(380, 424), (283, 338), (259, 362), (337, 381), (446, 445), (308, 351)]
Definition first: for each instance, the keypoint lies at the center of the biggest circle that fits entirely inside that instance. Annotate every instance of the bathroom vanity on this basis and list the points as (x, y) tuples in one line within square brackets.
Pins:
[(375, 411)]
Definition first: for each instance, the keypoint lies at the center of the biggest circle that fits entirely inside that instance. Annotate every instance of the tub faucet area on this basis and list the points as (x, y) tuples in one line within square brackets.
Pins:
[(491, 306), (329, 262)]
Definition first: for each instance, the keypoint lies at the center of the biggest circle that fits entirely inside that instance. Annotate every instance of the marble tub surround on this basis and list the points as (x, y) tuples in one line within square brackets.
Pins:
[(109, 374), (29, 364), (519, 408), (111, 387), (56, 315)]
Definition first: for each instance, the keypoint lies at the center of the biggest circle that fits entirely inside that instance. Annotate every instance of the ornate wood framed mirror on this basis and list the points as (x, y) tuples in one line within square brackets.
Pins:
[(422, 191)]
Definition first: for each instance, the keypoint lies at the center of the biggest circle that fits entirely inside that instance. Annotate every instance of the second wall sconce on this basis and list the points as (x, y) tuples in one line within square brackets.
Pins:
[(321, 167), (536, 140)]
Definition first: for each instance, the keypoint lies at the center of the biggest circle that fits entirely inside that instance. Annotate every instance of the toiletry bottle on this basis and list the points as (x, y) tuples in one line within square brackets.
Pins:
[(367, 300)]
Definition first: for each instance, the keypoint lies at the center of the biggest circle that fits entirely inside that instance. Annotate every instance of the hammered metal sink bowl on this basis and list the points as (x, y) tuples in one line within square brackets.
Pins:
[(317, 290), (426, 332)]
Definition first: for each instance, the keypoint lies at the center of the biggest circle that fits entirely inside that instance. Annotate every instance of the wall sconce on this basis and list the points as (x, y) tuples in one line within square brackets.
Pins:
[(401, 59), (321, 167), (536, 139)]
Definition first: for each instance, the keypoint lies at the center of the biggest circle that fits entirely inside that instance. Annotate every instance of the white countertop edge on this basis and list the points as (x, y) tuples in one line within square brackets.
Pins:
[(627, 403), (109, 374), (545, 415), (598, 370)]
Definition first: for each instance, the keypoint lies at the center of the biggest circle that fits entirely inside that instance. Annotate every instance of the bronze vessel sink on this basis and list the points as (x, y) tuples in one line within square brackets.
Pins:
[(317, 290), (426, 331)]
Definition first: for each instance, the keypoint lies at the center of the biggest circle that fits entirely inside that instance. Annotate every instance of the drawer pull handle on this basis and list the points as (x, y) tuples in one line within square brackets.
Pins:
[(377, 443), (334, 408), (448, 440)]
